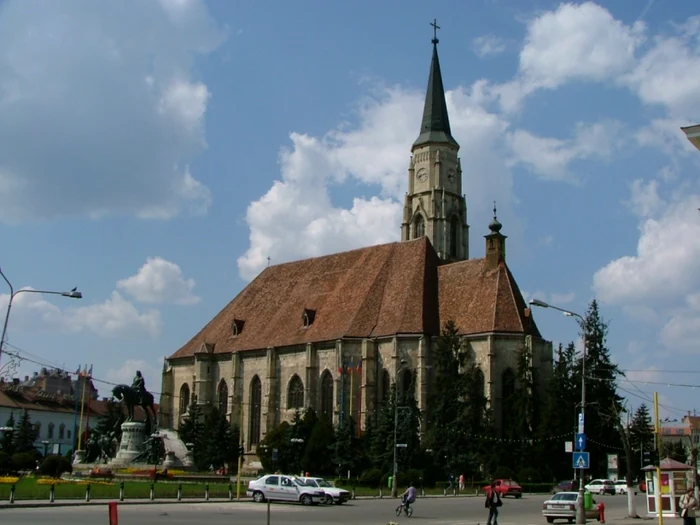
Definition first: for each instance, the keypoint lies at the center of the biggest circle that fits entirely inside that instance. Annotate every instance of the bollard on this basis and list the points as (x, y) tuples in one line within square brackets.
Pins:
[(601, 509), (206, 492), (268, 512), (121, 491), (152, 495), (422, 492), (52, 493), (230, 492), (179, 492), (113, 516), (380, 493), (12, 493), (352, 493), (87, 492)]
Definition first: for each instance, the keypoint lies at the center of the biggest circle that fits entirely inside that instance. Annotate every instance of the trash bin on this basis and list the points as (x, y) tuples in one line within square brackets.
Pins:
[(587, 500), (390, 481)]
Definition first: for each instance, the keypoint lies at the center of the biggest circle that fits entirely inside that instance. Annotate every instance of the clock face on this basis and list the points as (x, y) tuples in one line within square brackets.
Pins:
[(451, 175), (422, 175)]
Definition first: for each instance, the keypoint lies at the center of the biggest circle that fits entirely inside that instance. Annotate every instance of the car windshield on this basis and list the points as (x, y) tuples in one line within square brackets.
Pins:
[(565, 496), (323, 483), (302, 483), (307, 482)]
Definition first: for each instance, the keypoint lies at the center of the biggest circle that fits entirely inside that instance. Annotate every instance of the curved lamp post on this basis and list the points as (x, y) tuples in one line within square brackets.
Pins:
[(580, 507), (73, 294)]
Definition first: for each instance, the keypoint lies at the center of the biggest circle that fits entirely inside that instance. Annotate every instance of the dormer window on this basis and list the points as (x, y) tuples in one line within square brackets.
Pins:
[(308, 317), (237, 327)]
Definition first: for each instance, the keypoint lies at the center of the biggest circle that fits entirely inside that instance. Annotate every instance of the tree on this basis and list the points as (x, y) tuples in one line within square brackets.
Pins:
[(642, 431), (318, 447), (25, 434), (6, 439), (627, 443), (191, 432), (219, 441), (276, 439), (558, 414)]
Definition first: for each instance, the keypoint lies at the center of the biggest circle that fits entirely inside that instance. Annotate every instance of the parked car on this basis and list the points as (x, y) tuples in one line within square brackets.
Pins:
[(563, 506), (622, 488), (333, 494), (274, 487), (601, 486), (564, 486), (506, 487)]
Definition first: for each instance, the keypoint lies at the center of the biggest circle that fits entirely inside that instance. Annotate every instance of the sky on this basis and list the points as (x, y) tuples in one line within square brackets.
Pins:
[(156, 153)]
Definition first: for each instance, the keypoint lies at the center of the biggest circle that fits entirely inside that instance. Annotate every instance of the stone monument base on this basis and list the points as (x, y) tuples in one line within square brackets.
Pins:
[(132, 443), (78, 457)]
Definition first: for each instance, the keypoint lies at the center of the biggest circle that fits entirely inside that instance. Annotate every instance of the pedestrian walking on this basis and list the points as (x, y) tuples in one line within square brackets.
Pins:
[(688, 505), (461, 482), (493, 501)]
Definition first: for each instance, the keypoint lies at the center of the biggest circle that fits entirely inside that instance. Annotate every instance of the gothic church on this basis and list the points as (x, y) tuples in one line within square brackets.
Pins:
[(334, 332)]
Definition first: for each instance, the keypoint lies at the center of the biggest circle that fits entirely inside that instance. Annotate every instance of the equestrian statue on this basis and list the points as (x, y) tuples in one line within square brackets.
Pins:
[(136, 395)]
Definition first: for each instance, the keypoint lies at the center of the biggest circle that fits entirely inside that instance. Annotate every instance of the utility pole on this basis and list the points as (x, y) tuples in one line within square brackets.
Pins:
[(657, 483)]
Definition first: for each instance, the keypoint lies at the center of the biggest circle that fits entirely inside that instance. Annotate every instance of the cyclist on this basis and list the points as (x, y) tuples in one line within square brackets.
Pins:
[(409, 496)]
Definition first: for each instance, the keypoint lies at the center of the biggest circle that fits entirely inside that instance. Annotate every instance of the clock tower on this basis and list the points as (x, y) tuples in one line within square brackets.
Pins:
[(435, 205)]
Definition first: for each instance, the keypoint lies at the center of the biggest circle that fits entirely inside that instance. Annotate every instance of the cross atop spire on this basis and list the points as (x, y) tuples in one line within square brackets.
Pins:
[(435, 28), (494, 210)]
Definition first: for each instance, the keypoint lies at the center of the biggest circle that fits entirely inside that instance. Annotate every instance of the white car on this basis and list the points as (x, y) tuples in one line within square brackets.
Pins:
[(601, 486), (333, 494), (274, 487), (563, 506), (622, 488)]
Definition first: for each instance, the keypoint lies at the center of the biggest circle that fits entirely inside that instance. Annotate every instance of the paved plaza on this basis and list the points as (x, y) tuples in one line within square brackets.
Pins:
[(434, 511)]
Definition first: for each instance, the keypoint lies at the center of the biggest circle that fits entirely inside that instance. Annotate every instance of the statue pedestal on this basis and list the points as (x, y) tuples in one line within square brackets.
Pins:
[(132, 442), (78, 457)]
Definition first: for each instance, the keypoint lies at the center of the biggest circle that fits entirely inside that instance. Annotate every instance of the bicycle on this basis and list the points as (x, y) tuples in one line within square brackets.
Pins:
[(406, 508)]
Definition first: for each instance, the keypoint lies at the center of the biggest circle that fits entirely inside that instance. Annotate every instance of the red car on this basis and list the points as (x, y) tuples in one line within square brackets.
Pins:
[(506, 487)]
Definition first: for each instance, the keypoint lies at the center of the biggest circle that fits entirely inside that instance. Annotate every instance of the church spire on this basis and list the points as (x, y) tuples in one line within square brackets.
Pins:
[(435, 127)]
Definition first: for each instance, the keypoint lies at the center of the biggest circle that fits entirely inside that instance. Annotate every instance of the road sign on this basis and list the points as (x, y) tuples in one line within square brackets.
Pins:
[(580, 441), (401, 445), (568, 446), (580, 423), (581, 460)]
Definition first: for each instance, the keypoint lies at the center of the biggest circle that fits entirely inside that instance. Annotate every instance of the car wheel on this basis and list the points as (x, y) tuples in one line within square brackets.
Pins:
[(550, 519), (258, 497), (328, 499), (571, 520), (518, 496), (306, 499)]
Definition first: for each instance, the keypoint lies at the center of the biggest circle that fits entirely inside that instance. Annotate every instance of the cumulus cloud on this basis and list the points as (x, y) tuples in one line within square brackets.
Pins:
[(159, 281), (556, 299), (113, 316), (297, 218), (99, 111)]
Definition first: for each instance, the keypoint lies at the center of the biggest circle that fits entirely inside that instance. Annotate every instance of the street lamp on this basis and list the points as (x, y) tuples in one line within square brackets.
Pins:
[(298, 453), (394, 492), (580, 507), (46, 447), (73, 294)]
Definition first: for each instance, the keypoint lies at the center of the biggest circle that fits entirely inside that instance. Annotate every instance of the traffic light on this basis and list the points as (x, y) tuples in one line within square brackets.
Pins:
[(650, 457)]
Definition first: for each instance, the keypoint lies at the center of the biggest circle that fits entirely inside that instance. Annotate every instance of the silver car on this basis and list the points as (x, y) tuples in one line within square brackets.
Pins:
[(275, 487), (563, 506)]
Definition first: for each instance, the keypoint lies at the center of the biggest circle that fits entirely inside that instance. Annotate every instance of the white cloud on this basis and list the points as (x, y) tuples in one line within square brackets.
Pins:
[(125, 374), (660, 283), (645, 200), (556, 299), (159, 281), (115, 315), (488, 45), (550, 158), (573, 42), (296, 218), (106, 96)]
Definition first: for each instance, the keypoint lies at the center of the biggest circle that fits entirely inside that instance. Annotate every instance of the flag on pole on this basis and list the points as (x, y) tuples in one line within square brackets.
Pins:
[(359, 367), (341, 369), (77, 372), (90, 372)]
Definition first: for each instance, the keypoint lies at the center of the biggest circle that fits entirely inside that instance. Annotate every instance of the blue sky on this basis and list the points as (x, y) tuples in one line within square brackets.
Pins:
[(155, 153)]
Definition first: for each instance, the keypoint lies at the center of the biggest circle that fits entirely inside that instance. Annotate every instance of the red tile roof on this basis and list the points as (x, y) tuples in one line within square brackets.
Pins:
[(396, 288)]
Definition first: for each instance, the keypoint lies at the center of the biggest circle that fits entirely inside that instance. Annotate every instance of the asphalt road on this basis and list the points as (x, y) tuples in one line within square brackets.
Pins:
[(434, 511)]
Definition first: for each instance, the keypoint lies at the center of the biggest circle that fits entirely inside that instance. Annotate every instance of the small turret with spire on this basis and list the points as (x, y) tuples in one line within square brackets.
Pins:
[(495, 242)]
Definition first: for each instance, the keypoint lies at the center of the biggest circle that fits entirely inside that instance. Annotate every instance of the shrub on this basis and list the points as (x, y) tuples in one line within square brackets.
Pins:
[(23, 461), (54, 466), (5, 462), (503, 473), (371, 478), (529, 475), (405, 477)]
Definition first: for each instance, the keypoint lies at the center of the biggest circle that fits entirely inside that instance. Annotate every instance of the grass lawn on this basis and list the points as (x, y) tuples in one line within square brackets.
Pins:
[(29, 489)]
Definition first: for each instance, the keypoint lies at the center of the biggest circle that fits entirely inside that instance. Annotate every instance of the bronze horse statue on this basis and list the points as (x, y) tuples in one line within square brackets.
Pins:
[(130, 398)]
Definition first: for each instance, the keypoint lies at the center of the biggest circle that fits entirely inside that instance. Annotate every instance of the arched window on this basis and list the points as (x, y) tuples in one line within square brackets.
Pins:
[(406, 383), (295, 392), (327, 394), (61, 431), (508, 384), (454, 236), (385, 386), (184, 400), (50, 434), (223, 397), (418, 226), (255, 411)]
